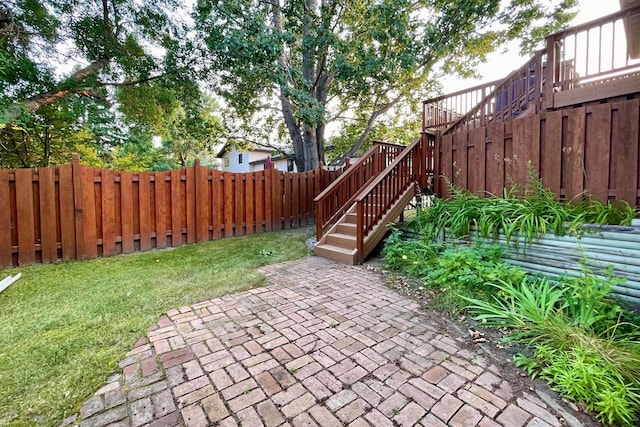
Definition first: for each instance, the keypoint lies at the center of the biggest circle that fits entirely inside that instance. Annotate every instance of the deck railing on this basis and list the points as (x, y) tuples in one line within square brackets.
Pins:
[(501, 100), (596, 50), (441, 112), (382, 192), (601, 51), (334, 201)]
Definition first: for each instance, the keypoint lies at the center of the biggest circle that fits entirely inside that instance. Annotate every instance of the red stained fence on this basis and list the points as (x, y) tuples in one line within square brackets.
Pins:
[(590, 149), (78, 212)]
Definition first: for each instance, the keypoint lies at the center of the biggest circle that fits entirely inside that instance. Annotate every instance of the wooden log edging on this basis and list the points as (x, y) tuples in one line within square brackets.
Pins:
[(597, 248)]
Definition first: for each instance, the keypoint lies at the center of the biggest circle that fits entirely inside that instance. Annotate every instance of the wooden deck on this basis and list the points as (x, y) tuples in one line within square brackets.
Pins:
[(570, 115)]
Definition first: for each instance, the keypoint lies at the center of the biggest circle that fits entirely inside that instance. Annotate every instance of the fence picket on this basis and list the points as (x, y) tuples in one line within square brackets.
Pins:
[(177, 207), (228, 204), (48, 221), (67, 212), (260, 201), (598, 151), (238, 191), (625, 137), (80, 212), (144, 211), (108, 213), (160, 191), (89, 206), (249, 215), (126, 211), (190, 201), (25, 216), (6, 244), (217, 203), (202, 205)]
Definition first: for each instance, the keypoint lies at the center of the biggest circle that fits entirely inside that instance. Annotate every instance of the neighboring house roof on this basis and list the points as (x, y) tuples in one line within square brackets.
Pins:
[(273, 159), (252, 148)]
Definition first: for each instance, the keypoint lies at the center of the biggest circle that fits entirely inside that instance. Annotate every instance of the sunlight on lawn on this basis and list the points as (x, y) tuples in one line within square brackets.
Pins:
[(64, 327)]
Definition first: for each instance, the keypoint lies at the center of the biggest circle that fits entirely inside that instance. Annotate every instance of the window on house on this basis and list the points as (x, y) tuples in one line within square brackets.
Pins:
[(289, 165), (240, 158), (226, 162)]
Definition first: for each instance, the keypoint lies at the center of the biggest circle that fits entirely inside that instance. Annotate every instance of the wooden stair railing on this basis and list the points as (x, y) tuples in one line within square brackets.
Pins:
[(503, 99), (334, 201), (380, 195)]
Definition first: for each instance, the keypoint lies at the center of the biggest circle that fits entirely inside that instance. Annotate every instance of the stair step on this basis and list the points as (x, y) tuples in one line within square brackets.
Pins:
[(352, 218), (336, 253), (343, 240), (347, 228)]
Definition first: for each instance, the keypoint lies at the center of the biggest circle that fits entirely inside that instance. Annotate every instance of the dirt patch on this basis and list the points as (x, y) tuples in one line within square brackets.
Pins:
[(484, 341)]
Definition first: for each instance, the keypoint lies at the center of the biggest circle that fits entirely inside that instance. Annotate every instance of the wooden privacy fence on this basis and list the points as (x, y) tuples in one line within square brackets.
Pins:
[(588, 149), (78, 212)]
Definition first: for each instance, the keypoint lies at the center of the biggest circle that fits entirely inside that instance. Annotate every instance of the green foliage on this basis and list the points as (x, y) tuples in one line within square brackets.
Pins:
[(450, 271), (524, 213), (64, 327), (308, 62), (50, 136), (581, 374), (468, 271), (51, 107), (410, 256), (191, 129), (585, 344)]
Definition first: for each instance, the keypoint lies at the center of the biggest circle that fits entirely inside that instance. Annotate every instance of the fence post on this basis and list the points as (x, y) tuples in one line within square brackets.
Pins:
[(76, 173), (201, 201), (551, 72), (268, 199)]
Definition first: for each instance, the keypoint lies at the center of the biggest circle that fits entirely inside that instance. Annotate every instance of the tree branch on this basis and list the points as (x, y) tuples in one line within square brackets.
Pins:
[(64, 89), (372, 120), (132, 82)]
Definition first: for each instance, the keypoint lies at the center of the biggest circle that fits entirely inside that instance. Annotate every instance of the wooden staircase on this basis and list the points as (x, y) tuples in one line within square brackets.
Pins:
[(355, 226)]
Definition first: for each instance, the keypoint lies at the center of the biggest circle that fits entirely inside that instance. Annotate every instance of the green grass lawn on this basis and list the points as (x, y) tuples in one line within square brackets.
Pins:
[(65, 327)]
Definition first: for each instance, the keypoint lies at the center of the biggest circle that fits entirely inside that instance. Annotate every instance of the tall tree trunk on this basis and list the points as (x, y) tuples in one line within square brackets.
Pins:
[(294, 133), (322, 91), (287, 111), (311, 157)]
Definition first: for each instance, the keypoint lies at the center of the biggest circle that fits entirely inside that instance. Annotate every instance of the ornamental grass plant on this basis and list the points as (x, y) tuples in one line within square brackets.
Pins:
[(528, 212), (584, 343)]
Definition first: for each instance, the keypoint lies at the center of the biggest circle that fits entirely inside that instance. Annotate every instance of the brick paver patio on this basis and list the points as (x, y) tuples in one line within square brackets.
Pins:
[(324, 344)]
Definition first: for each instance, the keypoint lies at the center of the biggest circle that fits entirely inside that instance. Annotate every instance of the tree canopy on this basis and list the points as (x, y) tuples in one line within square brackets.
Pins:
[(313, 61), (107, 77)]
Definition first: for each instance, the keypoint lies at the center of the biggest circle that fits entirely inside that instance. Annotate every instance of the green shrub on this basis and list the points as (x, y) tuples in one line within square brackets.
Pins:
[(527, 213), (450, 271), (583, 345), (409, 256)]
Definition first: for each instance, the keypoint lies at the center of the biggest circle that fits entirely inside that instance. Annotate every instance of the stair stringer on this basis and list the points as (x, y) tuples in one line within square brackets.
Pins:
[(350, 255), (379, 230)]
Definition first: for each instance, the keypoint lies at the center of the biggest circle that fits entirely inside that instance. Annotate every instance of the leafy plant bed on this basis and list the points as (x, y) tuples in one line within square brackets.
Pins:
[(583, 342)]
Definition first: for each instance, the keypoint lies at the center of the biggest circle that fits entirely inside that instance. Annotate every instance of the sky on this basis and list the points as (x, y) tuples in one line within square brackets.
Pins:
[(499, 64)]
